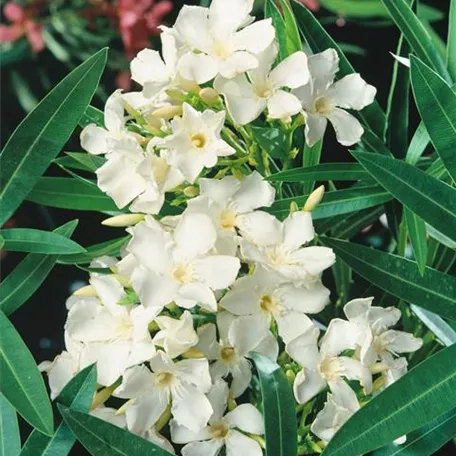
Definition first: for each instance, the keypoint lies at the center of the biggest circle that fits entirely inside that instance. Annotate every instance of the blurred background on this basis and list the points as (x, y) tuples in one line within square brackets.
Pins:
[(42, 40)]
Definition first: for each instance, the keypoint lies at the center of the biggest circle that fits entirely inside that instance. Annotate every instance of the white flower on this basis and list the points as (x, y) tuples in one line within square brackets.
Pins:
[(247, 97), (325, 366), (95, 139), (195, 142), (218, 44), (178, 266), (222, 429), (238, 337), (376, 340), (263, 295), (175, 336), (183, 384), (231, 204), (115, 336), (109, 415), (282, 251), (340, 406), (322, 100)]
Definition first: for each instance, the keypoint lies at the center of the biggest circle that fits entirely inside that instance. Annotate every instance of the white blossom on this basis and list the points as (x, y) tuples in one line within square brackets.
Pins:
[(323, 99), (247, 95), (223, 429), (220, 39)]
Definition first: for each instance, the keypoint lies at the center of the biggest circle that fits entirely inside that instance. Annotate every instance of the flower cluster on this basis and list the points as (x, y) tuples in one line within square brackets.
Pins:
[(172, 323)]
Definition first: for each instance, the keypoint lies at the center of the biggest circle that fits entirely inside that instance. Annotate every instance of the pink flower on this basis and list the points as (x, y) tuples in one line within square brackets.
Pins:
[(21, 24), (311, 4)]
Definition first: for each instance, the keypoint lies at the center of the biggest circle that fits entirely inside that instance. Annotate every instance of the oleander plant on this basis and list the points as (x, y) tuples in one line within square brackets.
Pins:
[(234, 311)]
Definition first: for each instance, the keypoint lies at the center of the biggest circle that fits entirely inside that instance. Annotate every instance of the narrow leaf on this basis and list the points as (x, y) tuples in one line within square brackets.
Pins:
[(10, 440), (311, 156), (322, 172), (37, 241), (20, 380), (418, 238), (294, 40), (20, 284), (43, 133), (436, 102), (92, 115), (417, 145), (442, 330), (104, 439), (400, 277), (422, 395), (451, 47), (429, 198), (273, 12), (278, 408)]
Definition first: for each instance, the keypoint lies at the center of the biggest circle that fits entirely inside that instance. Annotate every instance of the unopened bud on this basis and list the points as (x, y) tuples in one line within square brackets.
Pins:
[(176, 95), (86, 292), (123, 220), (191, 191), (193, 353), (188, 85), (314, 199), (124, 407), (103, 395), (377, 368), (237, 173), (286, 120), (168, 112), (378, 384), (290, 376), (164, 418), (293, 207), (231, 403), (124, 281), (209, 95), (134, 113)]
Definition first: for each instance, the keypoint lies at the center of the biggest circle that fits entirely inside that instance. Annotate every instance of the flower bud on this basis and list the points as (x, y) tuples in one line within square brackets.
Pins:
[(168, 112), (86, 292), (314, 199), (293, 207), (290, 376), (378, 367), (176, 95), (123, 220), (237, 173), (191, 191), (193, 353), (124, 407), (124, 281), (209, 95)]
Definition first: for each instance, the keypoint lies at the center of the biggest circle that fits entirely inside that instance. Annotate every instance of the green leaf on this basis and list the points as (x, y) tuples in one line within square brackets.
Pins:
[(2, 242), (336, 202), (418, 237), (294, 43), (451, 47), (92, 115), (271, 10), (20, 284), (319, 40), (81, 161), (278, 408), (440, 237), (436, 103), (10, 440), (417, 145), (322, 172), (110, 248), (426, 441), (43, 133), (68, 193), (442, 330), (77, 394), (37, 241), (311, 156), (372, 143), (20, 380), (400, 277), (416, 34), (272, 140), (104, 439), (422, 395), (429, 198)]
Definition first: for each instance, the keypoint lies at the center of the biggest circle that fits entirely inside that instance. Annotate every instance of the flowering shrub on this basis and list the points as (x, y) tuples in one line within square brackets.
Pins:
[(210, 325)]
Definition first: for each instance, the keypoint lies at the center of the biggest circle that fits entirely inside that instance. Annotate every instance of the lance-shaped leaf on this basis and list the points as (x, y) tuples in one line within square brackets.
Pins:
[(319, 40), (10, 440), (23, 281), (278, 408), (441, 329), (400, 277), (102, 439), (77, 394), (311, 156), (271, 10), (92, 115), (436, 102), (81, 161), (429, 198), (416, 34), (426, 441), (416, 229), (422, 395), (20, 380), (37, 241), (451, 47), (43, 133)]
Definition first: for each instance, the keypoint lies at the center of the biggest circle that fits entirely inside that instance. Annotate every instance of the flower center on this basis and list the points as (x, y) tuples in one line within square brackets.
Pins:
[(160, 170), (228, 219), (183, 273), (199, 140), (323, 105), (329, 368), (164, 378), (222, 50), (278, 257), (263, 91), (270, 304), (227, 354), (124, 328), (219, 430)]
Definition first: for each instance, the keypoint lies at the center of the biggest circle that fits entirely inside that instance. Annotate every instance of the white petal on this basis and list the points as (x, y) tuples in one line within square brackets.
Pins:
[(304, 349), (311, 299), (293, 325), (238, 63), (196, 372), (341, 335), (307, 384), (207, 448), (183, 435), (315, 128), (323, 68), (110, 292), (112, 362), (109, 414), (247, 418), (283, 104), (60, 372), (352, 369), (192, 294), (148, 66), (94, 139), (268, 347), (315, 259), (242, 376), (348, 129), (247, 332), (255, 38), (190, 164), (259, 227), (241, 101), (217, 271), (144, 412), (358, 309), (254, 192), (400, 341), (114, 112), (218, 397), (242, 299), (208, 341), (344, 396), (291, 72), (228, 15), (192, 24), (297, 230), (260, 75), (198, 67), (224, 322), (221, 190), (136, 381), (381, 318), (239, 444), (352, 92)]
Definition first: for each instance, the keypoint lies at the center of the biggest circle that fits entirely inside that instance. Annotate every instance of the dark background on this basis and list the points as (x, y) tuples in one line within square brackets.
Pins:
[(40, 321)]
